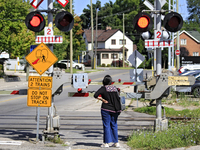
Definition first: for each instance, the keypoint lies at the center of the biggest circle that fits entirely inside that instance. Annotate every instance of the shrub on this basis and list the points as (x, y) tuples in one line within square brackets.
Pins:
[(103, 65), (118, 63), (108, 65)]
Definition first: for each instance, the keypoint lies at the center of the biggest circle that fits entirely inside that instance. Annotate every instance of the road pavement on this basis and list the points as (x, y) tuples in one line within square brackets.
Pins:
[(88, 136)]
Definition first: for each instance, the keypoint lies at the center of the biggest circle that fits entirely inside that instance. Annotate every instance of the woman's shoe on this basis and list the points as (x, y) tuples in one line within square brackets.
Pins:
[(116, 145), (104, 145)]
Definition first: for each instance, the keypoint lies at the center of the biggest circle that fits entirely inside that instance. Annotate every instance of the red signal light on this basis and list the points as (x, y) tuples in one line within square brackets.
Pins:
[(143, 22), (89, 81), (35, 21), (79, 90), (119, 80)]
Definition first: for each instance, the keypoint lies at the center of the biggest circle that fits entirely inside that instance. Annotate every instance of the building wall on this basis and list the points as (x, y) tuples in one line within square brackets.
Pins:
[(190, 47)]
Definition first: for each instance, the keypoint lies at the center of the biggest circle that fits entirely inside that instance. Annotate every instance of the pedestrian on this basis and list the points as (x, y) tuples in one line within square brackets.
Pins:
[(110, 110)]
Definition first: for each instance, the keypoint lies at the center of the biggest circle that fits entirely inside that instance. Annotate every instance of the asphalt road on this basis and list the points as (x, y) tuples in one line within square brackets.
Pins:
[(80, 120)]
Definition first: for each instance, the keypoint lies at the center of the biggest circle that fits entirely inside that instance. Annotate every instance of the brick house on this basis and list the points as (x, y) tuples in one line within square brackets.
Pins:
[(109, 45), (189, 43)]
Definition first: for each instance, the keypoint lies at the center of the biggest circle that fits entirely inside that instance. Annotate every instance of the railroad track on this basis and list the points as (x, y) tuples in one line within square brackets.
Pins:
[(72, 122)]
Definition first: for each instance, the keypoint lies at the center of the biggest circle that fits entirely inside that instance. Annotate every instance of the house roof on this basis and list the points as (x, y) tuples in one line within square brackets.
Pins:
[(102, 35), (195, 35)]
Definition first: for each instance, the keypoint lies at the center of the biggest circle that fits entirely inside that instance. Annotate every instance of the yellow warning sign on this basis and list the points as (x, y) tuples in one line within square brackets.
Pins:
[(41, 58), (40, 82), (39, 98)]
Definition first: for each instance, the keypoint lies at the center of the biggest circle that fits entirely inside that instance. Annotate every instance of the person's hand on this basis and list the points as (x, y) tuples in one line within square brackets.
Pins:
[(104, 101)]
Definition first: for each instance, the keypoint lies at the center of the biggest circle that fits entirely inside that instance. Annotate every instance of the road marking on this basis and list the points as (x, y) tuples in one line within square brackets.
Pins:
[(12, 99)]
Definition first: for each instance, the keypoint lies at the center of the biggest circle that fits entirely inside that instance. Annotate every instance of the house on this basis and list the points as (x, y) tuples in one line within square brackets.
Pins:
[(189, 43), (109, 45)]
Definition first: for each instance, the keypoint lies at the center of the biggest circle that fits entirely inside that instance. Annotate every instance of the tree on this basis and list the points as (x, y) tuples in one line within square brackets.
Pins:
[(12, 16), (193, 7)]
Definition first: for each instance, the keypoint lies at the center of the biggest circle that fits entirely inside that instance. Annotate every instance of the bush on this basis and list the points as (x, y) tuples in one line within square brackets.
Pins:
[(103, 65), (118, 63), (108, 65)]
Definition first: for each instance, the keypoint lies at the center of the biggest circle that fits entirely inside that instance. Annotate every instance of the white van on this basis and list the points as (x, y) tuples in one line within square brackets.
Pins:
[(13, 64), (189, 67)]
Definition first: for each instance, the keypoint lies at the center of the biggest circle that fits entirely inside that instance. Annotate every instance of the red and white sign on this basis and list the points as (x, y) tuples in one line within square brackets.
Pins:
[(177, 52), (36, 3), (63, 2), (48, 39), (158, 43), (48, 31)]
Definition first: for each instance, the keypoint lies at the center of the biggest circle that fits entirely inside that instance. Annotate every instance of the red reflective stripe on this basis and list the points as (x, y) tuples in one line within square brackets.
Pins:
[(81, 95), (15, 92), (127, 83)]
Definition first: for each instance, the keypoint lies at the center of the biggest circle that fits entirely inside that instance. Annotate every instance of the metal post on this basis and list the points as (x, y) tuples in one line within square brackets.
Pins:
[(50, 109), (159, 124), (169, 48), (71, 43), (123, 41), (38, 120), (96, 39), (177, 41), (92, 48)]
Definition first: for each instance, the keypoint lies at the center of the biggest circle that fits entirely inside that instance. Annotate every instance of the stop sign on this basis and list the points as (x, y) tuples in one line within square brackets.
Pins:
[(177, 52)]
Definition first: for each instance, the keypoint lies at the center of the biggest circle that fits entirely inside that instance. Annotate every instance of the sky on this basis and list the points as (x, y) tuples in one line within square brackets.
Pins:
[(79, 5)]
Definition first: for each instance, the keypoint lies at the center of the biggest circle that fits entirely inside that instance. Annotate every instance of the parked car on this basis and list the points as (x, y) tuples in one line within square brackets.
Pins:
[(188, 67), (87, 63), (190, 73), (196, 86), (74, 64)]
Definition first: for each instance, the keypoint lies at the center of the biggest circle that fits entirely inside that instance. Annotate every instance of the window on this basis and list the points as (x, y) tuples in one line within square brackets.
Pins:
[(183, 42), (113, 42), (105, 56), (114, 56), (121, 42), (195, 53)]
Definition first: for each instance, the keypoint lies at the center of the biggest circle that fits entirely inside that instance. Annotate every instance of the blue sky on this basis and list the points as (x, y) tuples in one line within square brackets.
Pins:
[(79, 5)]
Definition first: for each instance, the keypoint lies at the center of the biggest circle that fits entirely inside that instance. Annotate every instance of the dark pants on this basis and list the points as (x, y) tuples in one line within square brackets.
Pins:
[(110, 127)]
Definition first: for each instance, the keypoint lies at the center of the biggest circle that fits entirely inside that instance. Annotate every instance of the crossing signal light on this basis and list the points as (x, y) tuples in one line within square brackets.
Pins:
[(142, 22), (35, 21), (173, 22), (64, 21)]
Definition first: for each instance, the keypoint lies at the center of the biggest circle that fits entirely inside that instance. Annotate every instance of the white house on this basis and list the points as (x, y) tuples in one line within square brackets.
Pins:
[(109, 45)]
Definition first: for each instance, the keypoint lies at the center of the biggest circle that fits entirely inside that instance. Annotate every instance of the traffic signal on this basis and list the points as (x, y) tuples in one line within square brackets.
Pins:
[(35, 21), (142, 22), (173, 22), (64, 21)]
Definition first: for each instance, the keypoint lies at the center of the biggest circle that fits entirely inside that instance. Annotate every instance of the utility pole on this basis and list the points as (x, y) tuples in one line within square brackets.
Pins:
[(71, 44), (96, 39), (123, 41), (177, 42), (92, 48)]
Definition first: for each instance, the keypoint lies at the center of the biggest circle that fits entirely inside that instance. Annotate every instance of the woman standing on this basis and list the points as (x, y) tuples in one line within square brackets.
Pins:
[(110, 109)]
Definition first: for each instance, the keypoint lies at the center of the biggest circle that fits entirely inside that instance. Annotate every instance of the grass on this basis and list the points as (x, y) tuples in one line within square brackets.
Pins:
[(179, 134)]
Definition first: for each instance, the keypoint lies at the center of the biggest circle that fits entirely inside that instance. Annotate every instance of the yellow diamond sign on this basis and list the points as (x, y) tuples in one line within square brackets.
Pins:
[(41, 58)]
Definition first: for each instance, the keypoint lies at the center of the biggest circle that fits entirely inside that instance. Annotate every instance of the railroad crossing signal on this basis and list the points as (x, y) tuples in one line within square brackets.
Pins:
[(173, 22), (142, 22), (35, 21), (64, 21)]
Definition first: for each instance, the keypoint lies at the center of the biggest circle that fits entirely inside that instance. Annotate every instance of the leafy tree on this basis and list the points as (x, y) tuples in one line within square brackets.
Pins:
[(14, 37), (193, 7)]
